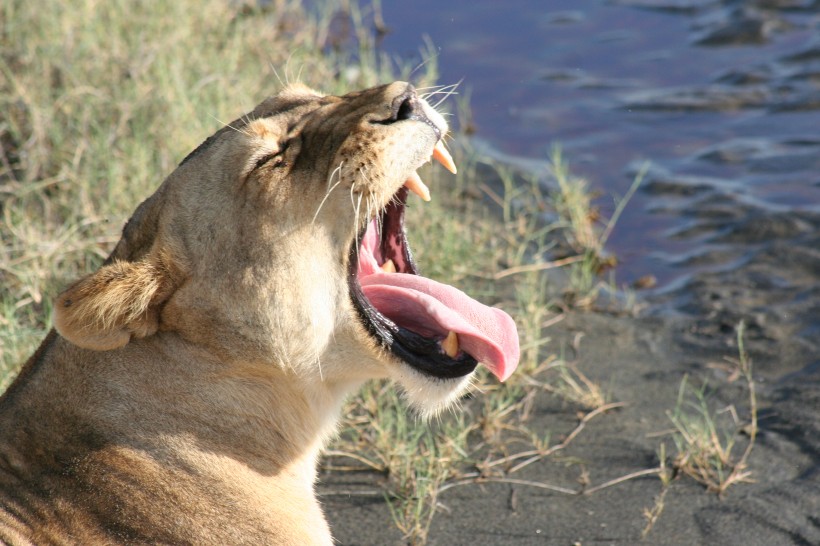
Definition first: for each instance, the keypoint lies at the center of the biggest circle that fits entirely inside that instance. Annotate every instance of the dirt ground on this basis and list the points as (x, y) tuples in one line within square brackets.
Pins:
[(773, 284)]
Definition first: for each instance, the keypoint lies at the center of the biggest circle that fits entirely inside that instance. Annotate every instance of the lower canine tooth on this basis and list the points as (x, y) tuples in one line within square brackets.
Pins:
[(415, 185), (450, 345), (388, 266)]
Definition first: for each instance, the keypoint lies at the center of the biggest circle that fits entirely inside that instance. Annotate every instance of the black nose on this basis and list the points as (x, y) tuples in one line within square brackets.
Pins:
[(407, 106)]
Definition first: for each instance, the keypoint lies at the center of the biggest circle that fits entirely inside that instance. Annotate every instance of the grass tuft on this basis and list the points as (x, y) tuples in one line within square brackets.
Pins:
[(580, 218), (706, 441)]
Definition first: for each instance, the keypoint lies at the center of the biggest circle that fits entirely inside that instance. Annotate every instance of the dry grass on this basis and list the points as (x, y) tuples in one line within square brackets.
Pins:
[(100, 100), (584, 236), (706, 440)]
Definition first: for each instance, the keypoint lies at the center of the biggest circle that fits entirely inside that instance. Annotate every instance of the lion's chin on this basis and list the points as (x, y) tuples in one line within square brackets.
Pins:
[(427, 397)]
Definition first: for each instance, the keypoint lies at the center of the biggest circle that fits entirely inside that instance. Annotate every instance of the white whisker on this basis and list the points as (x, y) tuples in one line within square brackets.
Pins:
[(450, 90), (276, 73), (352, 199), (237, 129), (336, 170), (444, 98), (371, 213), (422, 63), (356, 210), (323, 201), (329, 189), (287, 68), (439, 89), (370, 208), (435, 90), (430, 87), (359, 208)]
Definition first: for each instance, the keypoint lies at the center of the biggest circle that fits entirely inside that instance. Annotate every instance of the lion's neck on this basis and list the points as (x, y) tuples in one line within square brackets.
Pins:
[(259, 415), (259, 412), (202, 423)]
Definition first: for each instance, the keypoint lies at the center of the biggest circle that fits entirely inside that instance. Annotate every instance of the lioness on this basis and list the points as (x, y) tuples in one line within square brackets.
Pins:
[(193, 379)]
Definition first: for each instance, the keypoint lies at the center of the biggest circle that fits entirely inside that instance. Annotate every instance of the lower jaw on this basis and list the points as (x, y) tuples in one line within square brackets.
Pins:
[(420, 353)]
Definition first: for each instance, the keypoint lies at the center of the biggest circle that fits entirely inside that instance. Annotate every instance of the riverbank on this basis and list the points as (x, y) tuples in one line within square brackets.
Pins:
[(620, 479)]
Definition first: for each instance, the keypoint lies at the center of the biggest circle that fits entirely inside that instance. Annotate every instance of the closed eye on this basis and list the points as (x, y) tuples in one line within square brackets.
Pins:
[(277, 157)]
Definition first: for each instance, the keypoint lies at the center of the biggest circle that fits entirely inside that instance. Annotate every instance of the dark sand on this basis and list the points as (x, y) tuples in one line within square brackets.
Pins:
[(768, 274), (641, 363)]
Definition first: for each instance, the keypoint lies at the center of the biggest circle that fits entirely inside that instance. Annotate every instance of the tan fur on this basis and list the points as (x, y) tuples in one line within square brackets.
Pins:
[(193, 380)]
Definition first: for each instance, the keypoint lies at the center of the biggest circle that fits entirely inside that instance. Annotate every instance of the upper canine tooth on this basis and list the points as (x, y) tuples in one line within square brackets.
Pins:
[(388, 266), (415, 185), (450, 344), (444, 157)]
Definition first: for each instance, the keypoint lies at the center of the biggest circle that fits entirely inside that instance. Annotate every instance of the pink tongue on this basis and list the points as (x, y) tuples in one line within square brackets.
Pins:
[(433, 309)]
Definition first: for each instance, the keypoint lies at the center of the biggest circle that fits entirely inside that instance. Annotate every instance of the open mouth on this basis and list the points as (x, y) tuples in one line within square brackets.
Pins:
[(432, 327)]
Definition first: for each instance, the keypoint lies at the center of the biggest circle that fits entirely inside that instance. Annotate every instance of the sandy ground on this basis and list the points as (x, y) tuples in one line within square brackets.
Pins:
[(641, 364), (769, 276)]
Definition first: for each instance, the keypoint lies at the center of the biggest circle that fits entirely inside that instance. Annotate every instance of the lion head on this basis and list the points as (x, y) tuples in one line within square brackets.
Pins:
[(279, 243)]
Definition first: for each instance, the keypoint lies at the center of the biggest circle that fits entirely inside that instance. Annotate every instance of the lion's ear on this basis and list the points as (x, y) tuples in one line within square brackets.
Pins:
[(122, 299)]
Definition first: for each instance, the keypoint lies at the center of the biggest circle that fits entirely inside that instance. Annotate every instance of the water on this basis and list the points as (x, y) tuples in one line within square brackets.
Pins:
[(722, 97)]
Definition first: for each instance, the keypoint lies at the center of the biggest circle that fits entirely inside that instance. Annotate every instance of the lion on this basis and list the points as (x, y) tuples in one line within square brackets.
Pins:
[(190, 384)]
